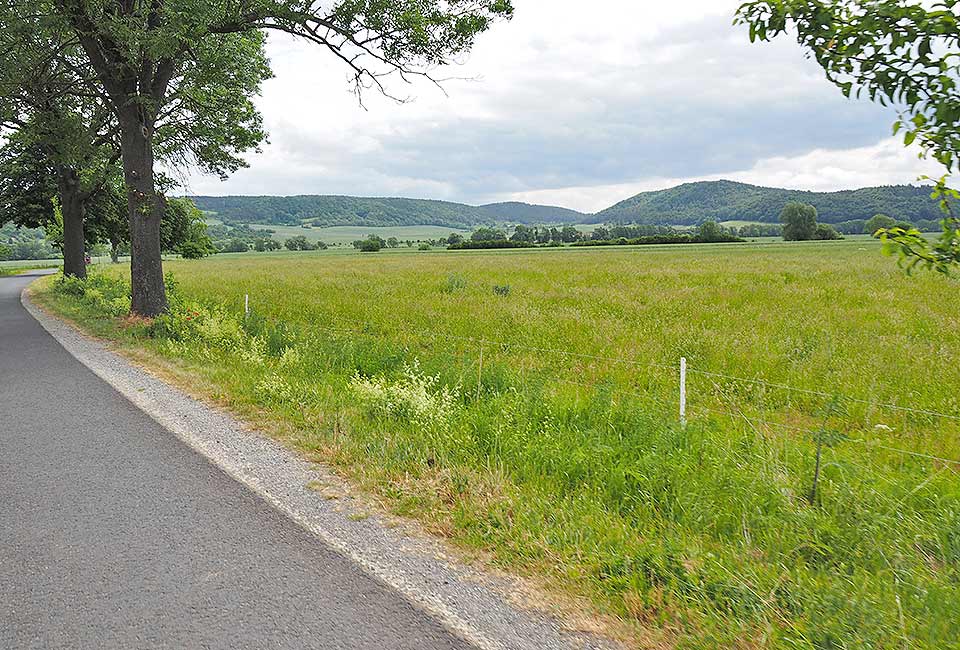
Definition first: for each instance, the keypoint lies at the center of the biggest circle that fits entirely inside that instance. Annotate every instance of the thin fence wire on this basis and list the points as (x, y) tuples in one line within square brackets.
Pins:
[(818, 393), (617, 391), (503, 345), (658, 365), (362, 330), (768, 423), (869, 443), (917, 454)]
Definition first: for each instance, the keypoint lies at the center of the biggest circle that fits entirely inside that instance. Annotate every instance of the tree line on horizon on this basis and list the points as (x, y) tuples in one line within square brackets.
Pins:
[(689, 204)]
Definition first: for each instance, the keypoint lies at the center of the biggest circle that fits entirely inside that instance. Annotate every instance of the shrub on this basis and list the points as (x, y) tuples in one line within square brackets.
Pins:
[(454, 283), (110, 296), (194, 250), (489, 244), (299, 243), (371, 245), (414, 397), (236, 246), (876, 222), (488, 234), (826, 232)]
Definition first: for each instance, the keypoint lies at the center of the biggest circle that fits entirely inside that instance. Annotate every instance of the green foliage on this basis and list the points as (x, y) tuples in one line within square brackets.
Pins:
[(851, 227), (182, 224), (299, 243), (26, 243), (878, 221), (799, 221), (488, 244), (263, 244), (371, 245), (762, 230), (688, 204), (104, 294), (895, 52), (238, 246), (826, 232), (660, 240), (454, 284), (691, 203), (26, 182), (215, 120), (567, 464), (325, 211), (710, 231), (192, 250), (898, 53), (525, 213), (488, 234), (914, 250)]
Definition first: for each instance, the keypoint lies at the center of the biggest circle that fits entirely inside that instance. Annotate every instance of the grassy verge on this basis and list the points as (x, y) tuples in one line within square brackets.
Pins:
[(433, 382)]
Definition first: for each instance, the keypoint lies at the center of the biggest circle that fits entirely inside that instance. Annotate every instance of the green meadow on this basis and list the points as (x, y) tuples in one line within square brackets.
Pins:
[(525, 406)]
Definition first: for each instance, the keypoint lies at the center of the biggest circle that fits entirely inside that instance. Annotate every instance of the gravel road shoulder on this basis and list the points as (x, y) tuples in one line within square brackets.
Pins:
[(481, 607)]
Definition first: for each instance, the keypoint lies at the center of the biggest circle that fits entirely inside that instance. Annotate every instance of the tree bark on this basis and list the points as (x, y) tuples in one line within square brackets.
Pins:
[(114, 251), (148, 297), (73, 210)]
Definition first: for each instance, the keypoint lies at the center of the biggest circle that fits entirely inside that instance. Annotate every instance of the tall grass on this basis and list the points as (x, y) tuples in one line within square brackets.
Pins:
[(539, 423)]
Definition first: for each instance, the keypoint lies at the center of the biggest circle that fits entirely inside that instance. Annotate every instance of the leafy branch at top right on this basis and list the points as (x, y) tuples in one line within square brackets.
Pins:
[(899, 54)]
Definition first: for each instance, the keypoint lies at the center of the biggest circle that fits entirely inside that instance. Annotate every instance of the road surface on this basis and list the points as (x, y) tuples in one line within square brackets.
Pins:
[(114, 534)]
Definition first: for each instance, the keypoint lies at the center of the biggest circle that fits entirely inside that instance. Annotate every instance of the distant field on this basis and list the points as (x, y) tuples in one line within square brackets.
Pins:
[(13, 265), (349, 234), (525, 404), (738, 224)]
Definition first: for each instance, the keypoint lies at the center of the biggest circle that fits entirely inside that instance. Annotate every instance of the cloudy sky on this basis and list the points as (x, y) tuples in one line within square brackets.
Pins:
[(576, 108)]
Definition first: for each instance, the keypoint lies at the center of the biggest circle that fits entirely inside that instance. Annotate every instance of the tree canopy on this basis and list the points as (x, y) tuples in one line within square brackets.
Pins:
[(799, 221), (901, 54), (144, 53)]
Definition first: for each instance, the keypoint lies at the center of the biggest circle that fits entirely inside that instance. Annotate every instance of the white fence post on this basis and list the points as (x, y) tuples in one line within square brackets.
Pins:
[(246, 305), (683, 391)]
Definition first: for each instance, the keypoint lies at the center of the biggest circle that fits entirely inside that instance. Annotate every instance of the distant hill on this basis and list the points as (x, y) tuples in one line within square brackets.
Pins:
[(693, 203), (527, 213), (687, 204), (356, 211)]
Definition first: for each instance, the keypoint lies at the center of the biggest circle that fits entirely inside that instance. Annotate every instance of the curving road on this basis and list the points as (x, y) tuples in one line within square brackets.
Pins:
[(114, 534)]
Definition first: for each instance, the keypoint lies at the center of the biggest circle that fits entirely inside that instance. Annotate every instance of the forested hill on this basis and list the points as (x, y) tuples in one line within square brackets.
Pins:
[(527, 213), (693, 203), (355, 211), (687, 204)]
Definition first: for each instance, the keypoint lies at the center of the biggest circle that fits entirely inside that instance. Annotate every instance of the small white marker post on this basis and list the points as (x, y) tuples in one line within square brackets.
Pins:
[(246, 305), (683, 391)]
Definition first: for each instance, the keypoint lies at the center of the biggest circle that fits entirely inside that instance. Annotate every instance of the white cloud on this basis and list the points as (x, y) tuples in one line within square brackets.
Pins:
[(824, 170), (579, 107)]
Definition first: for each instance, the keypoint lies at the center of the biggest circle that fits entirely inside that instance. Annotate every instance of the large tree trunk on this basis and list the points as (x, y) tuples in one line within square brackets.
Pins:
[(73, 211), (145, 210), (114, 251)]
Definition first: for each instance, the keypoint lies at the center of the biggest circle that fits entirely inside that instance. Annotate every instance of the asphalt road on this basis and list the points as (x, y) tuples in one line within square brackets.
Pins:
[(114, 534)]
